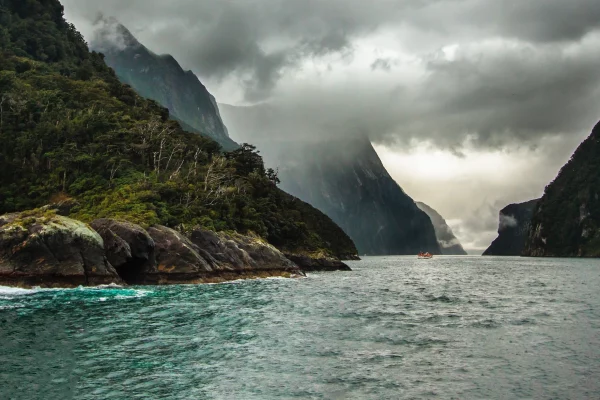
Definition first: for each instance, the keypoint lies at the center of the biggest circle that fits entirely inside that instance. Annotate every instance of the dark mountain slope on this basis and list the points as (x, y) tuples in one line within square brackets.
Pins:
[(513, 228), (566, 221), (345, 179), (69, 128), (449, 244), (161, 78)]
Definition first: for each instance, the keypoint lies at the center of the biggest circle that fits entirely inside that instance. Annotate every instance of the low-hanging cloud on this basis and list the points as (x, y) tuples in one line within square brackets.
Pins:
[(507, 221), (257, 41), (494, 94)]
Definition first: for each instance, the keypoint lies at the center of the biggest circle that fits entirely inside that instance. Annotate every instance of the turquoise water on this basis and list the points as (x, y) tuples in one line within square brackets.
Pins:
[(396, 327)]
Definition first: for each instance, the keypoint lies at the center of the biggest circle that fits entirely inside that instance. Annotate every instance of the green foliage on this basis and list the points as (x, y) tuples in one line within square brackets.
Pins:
[(67, 125)]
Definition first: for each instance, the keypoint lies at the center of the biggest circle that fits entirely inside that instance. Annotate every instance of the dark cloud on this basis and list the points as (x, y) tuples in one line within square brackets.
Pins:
[(547, 20), (384, 64), (494, 95), (512, 93), (256, 40), (253, 41)]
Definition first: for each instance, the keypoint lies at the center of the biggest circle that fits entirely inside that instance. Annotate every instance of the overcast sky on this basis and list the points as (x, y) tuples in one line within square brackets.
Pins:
[(472, 104)]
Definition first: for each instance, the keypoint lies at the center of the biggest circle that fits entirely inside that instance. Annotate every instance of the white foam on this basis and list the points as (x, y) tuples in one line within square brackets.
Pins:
[(119, 292), (11, 291)]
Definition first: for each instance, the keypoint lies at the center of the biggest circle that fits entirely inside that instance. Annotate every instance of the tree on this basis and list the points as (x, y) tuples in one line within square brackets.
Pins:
[(273, 176), (246, 159)]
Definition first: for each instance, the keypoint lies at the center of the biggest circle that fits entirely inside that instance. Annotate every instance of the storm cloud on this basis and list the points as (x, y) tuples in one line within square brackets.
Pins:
[(258, 41)]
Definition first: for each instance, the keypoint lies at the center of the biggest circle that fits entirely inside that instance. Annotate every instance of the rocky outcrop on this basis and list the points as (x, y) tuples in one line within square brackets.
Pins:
[(160, 255), (310, 264), (513, 227), (177, 258), (40, 248), (129, 248), (449, 243), (239, 252)]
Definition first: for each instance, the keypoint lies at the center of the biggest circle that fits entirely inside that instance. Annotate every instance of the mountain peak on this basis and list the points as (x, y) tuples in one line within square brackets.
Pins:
[(449, 243), (161, 78), (110, 35)]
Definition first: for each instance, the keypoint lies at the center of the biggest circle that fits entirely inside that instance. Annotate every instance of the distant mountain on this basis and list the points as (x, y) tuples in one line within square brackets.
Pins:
[(342, 177), (566, 222), (449, 244), (513, 228), (161, 78)]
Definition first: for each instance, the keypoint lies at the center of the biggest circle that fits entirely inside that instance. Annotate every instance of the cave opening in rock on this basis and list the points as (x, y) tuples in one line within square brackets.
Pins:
[(133, 272)]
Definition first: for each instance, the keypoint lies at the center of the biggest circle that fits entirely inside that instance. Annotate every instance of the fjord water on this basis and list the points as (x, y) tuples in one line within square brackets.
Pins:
[(395, 327)]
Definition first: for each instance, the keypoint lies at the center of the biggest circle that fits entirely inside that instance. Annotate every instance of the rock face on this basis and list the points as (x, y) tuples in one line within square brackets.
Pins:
[(566, 221), (449, 244), (513, 228), (129, 248), (347, 181), (161, 78), (40, 248), (239, 252), (310, 264), (343, 178), (160, 255)]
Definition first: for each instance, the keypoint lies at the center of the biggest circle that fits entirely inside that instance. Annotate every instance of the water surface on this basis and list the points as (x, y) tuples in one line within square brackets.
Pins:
[(396, 327)]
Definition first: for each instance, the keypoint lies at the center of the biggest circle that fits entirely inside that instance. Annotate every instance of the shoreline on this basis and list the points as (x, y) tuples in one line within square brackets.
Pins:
[(66, 283)]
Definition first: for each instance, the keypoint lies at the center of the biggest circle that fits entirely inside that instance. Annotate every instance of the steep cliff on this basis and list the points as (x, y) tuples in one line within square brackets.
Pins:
[(342, 177), (513, 228), (449, 244), (566, 221), (161, 78)]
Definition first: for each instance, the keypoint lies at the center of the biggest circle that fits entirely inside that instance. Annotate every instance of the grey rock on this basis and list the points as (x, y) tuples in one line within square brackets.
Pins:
[(235, 252), (39, 248), (129, 248), (310, 264)]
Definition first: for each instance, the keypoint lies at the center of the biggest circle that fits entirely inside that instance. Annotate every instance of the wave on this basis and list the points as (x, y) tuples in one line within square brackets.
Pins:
[(443, 298), (12, 291), (104, 291)]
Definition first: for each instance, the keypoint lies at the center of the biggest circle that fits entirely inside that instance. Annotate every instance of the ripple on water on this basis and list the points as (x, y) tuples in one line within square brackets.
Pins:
[(455, 327), (442, 298)]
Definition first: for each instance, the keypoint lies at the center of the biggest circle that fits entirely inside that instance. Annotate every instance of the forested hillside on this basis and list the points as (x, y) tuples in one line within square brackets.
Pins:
[(69, 128), (566, 221)]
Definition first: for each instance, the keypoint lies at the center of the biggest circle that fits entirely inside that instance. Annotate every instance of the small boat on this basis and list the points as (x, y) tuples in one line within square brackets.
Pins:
[(424, 256)]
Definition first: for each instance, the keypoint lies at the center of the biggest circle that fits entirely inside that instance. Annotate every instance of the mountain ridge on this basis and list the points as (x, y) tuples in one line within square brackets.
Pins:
[(344, 178), (161, 78), (449, 243), (566, 221)]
